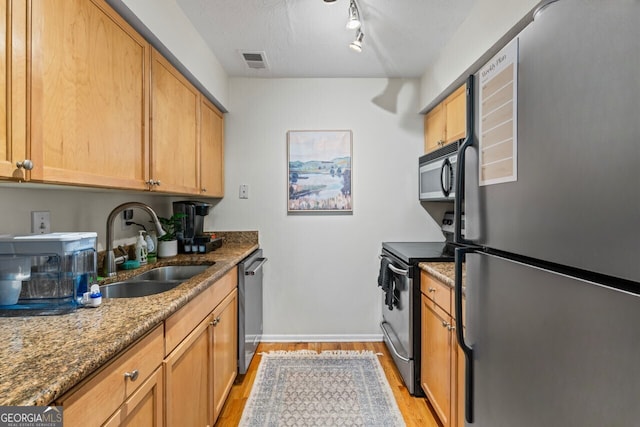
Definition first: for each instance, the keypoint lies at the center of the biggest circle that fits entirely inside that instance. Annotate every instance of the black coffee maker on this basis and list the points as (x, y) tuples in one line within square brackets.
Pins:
[(191, 239)]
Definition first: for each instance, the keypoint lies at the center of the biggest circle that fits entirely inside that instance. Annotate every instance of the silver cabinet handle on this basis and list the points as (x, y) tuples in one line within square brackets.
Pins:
[(25, 164), (432, 289), (215, 321), (133, 375), (444, 324), (204, 190), (451, 327), (158, 183)]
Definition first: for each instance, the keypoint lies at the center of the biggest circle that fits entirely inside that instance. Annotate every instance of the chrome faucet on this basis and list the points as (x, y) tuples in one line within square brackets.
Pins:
[(110, 258)]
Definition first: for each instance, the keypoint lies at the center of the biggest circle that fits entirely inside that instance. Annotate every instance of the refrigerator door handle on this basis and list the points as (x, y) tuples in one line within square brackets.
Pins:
[(468, 141), (468, 351)]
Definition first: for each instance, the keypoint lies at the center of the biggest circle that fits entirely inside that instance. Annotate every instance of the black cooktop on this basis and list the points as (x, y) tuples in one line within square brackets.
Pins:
[(414, 252)]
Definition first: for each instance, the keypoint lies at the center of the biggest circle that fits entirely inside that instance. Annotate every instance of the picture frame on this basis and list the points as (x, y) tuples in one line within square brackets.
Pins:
[(319, 171)]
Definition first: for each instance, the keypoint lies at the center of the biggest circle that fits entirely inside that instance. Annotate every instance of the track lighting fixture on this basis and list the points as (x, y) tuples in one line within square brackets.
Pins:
[(354, 16), (354, 23), (356, 45)]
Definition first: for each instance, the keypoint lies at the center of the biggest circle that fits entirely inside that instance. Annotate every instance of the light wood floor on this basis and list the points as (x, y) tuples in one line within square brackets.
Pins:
[(416, 410)]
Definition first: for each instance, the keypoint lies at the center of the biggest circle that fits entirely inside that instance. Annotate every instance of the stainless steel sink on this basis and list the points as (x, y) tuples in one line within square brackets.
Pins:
[(137, 288), (154, 281), (172, 272)]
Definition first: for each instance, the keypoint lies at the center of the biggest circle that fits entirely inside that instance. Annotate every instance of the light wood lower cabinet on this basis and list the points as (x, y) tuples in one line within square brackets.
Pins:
[(224, 352), (442, 360), (180, 374), (201, 368), (144, 408), (188, 375), (122, 389), (435, 368)]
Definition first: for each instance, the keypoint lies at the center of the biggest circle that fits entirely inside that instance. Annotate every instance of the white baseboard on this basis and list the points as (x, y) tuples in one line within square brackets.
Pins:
[(323, 338)]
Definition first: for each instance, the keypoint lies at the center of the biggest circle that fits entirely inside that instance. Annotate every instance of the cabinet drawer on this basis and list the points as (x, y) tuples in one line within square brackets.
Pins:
[(183, 321), (93, 401), (436, 291)]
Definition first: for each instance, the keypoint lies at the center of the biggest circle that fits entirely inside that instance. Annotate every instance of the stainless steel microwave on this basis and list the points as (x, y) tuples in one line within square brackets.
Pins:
[(437, 174)]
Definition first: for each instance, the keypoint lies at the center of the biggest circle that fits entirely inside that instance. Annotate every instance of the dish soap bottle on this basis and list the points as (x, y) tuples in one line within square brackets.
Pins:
[(141, 249)]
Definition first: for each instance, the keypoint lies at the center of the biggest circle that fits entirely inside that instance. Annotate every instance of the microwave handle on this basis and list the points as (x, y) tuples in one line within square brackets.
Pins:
[(445, 177)]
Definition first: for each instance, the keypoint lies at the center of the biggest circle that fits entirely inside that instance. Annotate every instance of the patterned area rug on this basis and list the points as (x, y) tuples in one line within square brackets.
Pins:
[(335, 388)]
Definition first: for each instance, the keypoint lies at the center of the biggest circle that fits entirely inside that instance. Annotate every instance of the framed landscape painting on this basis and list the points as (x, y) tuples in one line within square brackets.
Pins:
[(319, 170)]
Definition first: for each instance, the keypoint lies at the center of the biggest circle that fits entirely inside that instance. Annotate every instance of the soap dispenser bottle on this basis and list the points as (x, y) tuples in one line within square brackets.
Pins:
[(141, 249)]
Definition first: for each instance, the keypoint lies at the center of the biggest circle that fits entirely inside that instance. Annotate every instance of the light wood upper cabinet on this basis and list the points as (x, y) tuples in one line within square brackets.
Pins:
[(175, 108), (211, 150), (434, 128), (88, 95), (455, 106), (447, 121), (13, 144)]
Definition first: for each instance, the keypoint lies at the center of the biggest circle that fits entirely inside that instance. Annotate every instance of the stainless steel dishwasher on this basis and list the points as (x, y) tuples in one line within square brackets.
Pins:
[(249, 308)]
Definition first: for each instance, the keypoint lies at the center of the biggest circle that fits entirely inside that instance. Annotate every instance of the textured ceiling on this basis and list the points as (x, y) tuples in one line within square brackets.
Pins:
[(308, 38)]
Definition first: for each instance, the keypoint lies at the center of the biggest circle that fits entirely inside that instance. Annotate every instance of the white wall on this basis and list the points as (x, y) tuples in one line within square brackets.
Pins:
[(73, 209), (488, 21), (320, 281)]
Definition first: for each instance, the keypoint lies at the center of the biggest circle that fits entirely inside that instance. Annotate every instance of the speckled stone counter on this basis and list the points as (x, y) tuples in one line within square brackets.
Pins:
[(42, 357), (444, 271)]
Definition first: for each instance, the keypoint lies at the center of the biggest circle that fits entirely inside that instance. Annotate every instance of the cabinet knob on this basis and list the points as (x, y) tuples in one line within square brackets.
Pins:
[(216, 321), (451, 327), (444, 324), (204, 190), (157, 182), (432, 289), (133, 375), (150, 182), (26, 164)]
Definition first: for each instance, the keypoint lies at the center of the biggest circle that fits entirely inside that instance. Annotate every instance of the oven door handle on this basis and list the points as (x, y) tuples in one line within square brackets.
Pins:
[(393, 348), (398, 270)]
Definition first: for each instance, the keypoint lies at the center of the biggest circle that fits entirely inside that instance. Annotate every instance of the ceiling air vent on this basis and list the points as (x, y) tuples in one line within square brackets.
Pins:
[(255, 60)]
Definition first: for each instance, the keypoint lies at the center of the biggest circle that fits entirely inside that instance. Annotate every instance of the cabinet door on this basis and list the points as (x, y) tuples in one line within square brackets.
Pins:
[(188, 379), (88, 95), (455, 106), (13, 146), (211, 150), (225, 354), (434, 128), (435, 367), (144, 407), (175, 105)]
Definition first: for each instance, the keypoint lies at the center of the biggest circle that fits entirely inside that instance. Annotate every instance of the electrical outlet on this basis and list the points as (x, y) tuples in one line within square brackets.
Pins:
[(126, 215), (40, 222), (244, 191)]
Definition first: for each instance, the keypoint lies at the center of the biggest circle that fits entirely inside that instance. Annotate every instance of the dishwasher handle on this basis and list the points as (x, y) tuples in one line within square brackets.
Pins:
[(252, 272)]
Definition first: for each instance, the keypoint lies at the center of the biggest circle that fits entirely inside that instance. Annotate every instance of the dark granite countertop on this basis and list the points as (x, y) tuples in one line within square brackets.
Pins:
[(41, 357)]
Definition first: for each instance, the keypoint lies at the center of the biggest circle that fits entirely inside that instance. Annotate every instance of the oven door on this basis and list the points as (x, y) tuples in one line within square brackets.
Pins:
[(397, 321), (437, 179)]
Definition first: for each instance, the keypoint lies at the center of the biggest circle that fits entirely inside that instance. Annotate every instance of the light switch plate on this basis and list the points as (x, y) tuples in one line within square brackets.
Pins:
[(244, 191), (40, 222)]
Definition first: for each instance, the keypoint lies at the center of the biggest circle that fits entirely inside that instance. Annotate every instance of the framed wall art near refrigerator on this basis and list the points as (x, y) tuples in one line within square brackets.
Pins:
[(319, 170)]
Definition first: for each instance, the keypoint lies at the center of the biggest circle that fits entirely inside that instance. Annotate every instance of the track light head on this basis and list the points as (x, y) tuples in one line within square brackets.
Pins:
[(354, 16), (356, 45)]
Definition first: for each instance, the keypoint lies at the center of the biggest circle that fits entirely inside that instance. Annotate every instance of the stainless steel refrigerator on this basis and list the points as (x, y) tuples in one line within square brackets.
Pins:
[(552, 206)]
